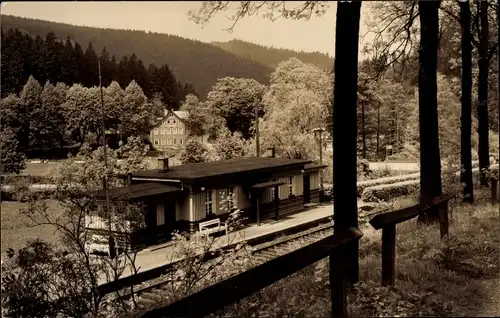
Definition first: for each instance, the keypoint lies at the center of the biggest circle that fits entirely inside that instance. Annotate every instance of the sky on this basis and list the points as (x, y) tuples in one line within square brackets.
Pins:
[(317, 34)]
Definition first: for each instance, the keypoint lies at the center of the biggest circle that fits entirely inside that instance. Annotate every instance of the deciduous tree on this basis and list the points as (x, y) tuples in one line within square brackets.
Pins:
[(30, 101), (47, 121), (194, 151), (430, 159), (12, 158), (235, 100), (228, 145)]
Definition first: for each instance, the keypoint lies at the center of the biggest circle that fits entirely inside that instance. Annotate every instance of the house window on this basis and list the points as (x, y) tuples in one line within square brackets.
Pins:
[(180, 141), (160, 214), (180, 130), (155, 131), (290, 186), (273, 193), (157, 142), (208, 202), (230, 199), (174, 140), (163, 131), (173, 120), (169, 141), (174, 131), (162, 141), (169, 131)]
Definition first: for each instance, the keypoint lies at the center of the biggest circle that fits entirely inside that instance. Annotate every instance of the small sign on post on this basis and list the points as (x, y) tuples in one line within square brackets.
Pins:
[(388, 151)]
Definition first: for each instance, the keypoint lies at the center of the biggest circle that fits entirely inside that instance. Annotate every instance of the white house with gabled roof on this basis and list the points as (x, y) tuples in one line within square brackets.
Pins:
[(171, 132)]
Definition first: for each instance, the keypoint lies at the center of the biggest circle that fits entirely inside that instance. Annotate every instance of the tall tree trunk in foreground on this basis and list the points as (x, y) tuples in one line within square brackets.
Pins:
[(482, 92), (430, 161), (466, 115), (344, 126), (498, 79)]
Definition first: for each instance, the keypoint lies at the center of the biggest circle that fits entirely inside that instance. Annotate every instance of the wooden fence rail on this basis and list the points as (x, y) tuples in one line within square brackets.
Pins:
[(245, 284), (388, 221)]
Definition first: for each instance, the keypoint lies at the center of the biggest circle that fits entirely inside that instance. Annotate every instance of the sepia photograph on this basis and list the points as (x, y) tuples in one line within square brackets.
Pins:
[(250, 158)]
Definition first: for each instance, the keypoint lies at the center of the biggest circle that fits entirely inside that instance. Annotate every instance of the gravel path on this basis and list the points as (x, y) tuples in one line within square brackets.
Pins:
[(491, 305)]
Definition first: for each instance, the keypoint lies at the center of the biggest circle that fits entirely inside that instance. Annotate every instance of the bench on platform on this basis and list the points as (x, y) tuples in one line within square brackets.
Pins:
[(212, 226)]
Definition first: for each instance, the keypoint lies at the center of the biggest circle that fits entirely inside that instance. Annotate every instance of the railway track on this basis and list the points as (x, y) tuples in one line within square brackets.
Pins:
[(261, 253), (155, 293), (269, 250)]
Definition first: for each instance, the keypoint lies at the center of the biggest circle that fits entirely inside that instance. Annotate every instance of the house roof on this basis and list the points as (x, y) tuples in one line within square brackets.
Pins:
[(222, 167), (138, 190), (182, 114)]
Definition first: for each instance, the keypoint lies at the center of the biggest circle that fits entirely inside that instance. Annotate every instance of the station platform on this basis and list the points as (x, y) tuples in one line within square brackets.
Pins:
[(161, 255)]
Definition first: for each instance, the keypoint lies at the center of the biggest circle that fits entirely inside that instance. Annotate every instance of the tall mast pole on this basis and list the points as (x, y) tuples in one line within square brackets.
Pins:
[(105, 183), (257, 142)]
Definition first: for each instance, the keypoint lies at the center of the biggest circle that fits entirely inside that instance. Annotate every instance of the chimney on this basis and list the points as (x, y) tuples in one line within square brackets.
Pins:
[(163, 164)]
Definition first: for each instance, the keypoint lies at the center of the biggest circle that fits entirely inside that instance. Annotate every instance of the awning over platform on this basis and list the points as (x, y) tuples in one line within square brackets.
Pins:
[(138, 191), (313, 166), (267, 184)]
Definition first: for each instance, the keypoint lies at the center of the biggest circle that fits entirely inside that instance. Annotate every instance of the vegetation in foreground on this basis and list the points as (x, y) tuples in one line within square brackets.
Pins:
[(433, 278)]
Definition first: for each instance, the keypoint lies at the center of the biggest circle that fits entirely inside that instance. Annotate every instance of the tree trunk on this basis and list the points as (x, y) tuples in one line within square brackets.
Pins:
[(498, 79), (430, 161), (344, 127), (466, 116), (482, 92)]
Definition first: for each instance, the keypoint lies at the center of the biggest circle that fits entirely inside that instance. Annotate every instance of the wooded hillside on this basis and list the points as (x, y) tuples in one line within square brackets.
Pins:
[(271, 56), (190, 61)]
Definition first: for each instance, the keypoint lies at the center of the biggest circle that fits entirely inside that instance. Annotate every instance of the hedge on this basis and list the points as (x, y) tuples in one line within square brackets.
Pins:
[(387, 180), (384, 192)]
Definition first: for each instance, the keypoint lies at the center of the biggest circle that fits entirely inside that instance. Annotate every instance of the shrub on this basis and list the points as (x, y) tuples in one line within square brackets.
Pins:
[(385, 192), (388, 180)]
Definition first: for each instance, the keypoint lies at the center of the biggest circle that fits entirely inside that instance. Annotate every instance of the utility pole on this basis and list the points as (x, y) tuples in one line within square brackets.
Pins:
[(363, 132), (257, 143), (318, 134), (321, 160), (105, 183), (397, 129), (378, 131)]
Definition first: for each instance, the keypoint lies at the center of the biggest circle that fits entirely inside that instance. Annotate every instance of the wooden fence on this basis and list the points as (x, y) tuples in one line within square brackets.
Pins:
[(235, 288), (388, 221)]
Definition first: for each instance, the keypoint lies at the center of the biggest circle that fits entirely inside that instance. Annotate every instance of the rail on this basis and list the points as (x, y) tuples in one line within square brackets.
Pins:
[(235, 288)]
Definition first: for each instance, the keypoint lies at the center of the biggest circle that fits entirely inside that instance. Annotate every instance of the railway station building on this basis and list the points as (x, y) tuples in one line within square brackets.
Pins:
[(180, 197)]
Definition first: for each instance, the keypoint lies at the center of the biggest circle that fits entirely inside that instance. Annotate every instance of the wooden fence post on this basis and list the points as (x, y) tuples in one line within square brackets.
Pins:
[(494, 183), (388, 254), (338, 282), (443, 220)]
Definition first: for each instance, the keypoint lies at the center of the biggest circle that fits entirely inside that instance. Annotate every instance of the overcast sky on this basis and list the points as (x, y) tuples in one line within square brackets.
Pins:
[(317, 34)]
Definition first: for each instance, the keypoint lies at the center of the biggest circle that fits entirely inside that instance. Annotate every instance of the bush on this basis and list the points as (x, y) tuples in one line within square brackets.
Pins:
[(388, 180), (380, 190), (385, 192)]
